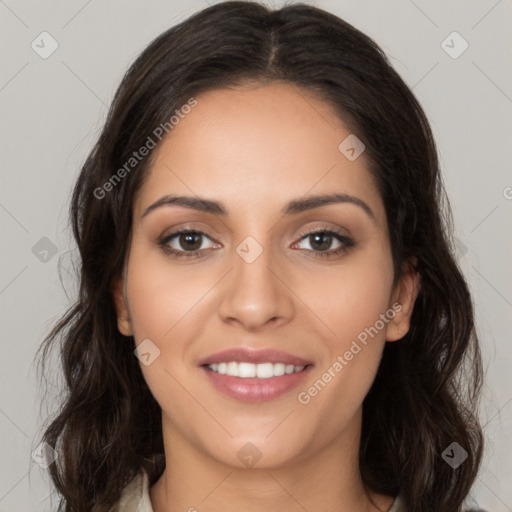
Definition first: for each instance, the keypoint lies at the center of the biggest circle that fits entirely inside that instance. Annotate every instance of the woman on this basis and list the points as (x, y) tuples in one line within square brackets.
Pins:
[(270, 313)]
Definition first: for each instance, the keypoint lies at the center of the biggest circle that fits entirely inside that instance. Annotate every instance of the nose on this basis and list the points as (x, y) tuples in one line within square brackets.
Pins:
[(255, 294)]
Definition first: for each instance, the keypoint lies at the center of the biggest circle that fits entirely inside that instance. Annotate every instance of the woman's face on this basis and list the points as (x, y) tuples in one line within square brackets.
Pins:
[(254, 279)]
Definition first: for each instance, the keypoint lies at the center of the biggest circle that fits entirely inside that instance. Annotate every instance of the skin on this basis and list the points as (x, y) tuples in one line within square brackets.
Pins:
[(254, 149)]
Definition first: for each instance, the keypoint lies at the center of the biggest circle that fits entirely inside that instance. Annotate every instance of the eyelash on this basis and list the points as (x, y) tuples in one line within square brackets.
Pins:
[(346, 242)]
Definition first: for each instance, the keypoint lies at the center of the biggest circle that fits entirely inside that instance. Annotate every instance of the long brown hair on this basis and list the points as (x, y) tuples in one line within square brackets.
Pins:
[(426, 392)]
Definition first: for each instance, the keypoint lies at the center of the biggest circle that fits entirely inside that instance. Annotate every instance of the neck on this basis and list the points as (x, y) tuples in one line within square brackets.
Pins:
[(327, 480)]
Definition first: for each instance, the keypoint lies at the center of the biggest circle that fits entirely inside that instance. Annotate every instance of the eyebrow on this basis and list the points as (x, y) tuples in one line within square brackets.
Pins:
[(292, 208)]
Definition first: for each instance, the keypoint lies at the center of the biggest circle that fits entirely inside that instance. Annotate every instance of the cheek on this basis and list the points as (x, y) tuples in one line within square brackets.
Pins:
[(353, 306), (351, 298), (161, 295), (162, 309), (167, 307)]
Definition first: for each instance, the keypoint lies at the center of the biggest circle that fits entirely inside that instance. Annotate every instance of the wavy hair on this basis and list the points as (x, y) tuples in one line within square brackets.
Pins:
[(425, 395)]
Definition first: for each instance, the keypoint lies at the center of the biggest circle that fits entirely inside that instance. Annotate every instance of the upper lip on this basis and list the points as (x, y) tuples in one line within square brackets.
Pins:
[(246, 355)]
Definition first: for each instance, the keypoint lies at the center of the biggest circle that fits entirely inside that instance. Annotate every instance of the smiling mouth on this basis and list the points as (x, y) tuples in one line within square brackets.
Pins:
[(249, 375), (245, 370)]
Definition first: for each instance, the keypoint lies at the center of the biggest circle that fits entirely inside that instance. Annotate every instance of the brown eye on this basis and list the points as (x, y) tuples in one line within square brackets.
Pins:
[(186, 242), (190, 241), (320, 242)]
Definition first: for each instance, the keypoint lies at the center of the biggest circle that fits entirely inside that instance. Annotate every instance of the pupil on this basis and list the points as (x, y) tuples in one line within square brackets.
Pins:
[(187, 241), (321, 246)]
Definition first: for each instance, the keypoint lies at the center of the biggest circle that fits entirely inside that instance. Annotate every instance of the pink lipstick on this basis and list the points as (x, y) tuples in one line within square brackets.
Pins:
[(255, 375)]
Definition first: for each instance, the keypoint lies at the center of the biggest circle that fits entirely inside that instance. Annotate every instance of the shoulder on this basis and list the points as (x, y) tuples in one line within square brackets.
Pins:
[(135, 496), (398, 506)]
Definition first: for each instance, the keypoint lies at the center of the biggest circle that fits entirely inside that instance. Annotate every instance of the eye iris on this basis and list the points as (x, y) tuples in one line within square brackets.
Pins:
[(327, 240), (188, 238)]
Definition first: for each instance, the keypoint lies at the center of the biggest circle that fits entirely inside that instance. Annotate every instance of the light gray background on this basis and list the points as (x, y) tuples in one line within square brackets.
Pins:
[(52, 110)]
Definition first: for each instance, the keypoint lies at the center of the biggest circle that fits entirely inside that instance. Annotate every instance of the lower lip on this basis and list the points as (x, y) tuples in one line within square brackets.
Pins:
[(253, 389)]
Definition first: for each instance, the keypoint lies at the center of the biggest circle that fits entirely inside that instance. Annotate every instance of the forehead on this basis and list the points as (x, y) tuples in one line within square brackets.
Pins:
[(255, 147)]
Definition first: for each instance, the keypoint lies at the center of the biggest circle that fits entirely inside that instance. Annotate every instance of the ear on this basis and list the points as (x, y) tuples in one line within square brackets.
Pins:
[(402, 301), (123, 313)]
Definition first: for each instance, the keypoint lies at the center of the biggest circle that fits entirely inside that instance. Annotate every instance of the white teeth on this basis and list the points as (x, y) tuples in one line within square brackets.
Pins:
[(264, 370), (248, 370), (278, 369), (232, 369)]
